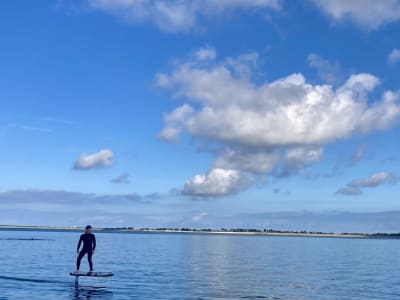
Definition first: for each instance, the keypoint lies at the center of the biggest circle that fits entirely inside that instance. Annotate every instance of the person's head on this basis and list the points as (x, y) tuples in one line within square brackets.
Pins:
[(88, 229)]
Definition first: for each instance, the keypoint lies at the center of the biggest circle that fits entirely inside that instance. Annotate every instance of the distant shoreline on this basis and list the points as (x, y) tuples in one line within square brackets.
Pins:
[(205, 231)]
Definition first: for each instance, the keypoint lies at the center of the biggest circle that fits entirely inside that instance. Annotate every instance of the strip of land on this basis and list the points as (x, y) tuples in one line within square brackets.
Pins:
[(237, 231)]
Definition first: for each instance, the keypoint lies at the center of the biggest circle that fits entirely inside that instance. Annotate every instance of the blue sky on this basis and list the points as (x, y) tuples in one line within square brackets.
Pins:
[(200, 113)]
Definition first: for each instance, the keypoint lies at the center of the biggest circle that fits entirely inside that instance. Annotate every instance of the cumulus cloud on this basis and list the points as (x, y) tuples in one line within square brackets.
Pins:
[(277, 127), (394, 56), (101, 159), (177, 15), (216, 182), (121, 179), (329, 72), (180, 114), (367, 14), (249, 160), (355, 187), (299, 157)]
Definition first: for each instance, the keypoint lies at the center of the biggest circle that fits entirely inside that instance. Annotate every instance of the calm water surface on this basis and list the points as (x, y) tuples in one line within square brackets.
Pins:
[(191, 266)]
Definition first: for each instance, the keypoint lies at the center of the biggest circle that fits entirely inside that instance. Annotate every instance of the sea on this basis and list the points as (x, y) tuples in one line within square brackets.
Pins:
[(36, 265)]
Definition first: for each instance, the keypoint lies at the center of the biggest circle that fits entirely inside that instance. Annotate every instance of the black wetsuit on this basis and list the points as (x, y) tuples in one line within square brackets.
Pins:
[(89, 245)]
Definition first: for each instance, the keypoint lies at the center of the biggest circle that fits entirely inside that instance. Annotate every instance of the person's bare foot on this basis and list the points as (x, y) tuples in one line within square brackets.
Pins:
[(76, 272)]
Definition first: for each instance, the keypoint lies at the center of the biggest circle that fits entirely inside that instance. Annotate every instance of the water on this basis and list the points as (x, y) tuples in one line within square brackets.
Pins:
[(194, 266)]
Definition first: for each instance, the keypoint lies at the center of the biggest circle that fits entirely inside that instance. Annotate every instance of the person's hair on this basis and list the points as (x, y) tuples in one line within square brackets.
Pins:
[(88, 227)]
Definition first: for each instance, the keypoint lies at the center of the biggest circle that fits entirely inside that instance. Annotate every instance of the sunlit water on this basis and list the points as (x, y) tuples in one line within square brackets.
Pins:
[(200, 266)]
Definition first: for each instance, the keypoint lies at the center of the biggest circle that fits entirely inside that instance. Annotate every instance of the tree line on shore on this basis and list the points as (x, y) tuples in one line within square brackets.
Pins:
[(250, 230)]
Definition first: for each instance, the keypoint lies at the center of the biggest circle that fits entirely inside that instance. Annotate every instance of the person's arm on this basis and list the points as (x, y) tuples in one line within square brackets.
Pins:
[(79, 244), (94, 243)]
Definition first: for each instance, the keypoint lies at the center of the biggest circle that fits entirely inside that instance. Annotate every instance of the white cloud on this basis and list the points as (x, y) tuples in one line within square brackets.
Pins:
[(288, 111), (217, 182), (206, 54), (101, 159), (248, 160), (170, 134), (367, 14), (394, 56), (297, 158), (276, 127), (355, 187), (121, 179), (329, 72), (177, 15), (374, 180), (180, 114)]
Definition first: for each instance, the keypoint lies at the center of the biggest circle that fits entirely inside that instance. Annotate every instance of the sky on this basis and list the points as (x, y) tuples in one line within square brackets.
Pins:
[(205, 113)]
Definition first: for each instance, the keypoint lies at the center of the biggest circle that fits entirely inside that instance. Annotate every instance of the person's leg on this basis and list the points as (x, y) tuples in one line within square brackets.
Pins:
[(89, 256), (78, 260)]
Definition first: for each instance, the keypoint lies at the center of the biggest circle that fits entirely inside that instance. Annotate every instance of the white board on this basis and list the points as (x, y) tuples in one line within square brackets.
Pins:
[(92, 274)]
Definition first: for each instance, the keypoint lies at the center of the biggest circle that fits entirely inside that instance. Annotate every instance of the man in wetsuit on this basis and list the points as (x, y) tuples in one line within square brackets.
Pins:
[(89, 245)]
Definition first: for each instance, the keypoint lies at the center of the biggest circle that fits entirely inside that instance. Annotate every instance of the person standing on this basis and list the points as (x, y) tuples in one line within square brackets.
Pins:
[(89, 245)]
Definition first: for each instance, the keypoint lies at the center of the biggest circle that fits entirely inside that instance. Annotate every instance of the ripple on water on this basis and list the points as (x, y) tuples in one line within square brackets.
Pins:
[(169, 266)]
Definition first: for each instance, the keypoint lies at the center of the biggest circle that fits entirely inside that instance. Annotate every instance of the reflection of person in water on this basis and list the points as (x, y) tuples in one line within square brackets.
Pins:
[(89, 245), (85, 292)]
